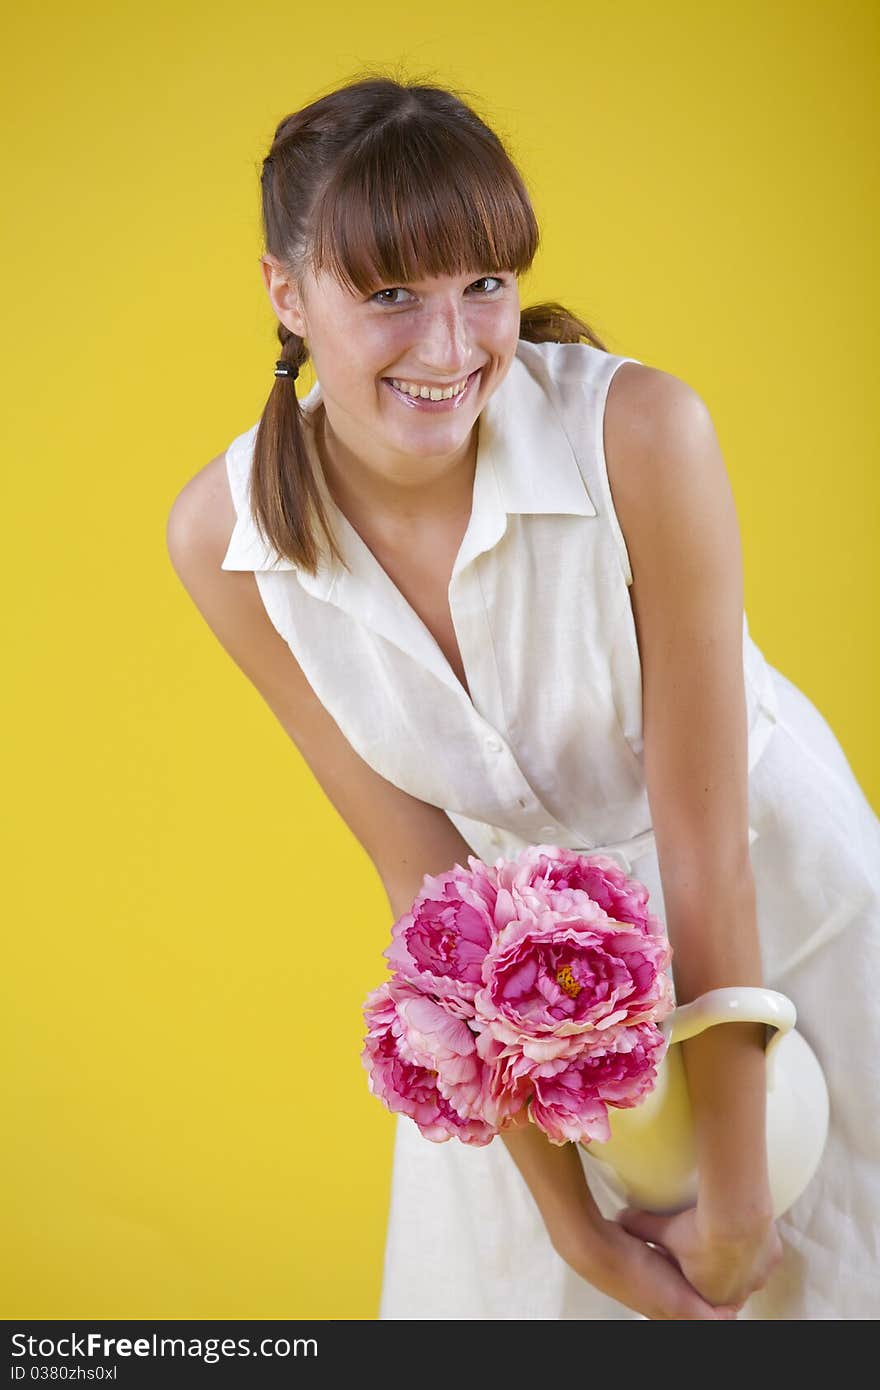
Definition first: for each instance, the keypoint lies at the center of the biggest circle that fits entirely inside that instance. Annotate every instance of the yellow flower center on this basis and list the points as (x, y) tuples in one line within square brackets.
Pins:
[(566, 981)]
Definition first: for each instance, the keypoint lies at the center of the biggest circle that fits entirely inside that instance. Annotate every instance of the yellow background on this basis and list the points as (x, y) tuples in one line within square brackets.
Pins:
[(191, 929)]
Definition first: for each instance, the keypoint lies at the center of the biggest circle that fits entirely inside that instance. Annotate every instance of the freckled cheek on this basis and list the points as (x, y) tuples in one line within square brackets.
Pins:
[(508, 329), (496, 333), (389, 345), (359, 363)]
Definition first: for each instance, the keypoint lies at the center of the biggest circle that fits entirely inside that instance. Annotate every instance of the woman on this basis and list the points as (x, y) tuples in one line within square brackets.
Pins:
[(488, 577)]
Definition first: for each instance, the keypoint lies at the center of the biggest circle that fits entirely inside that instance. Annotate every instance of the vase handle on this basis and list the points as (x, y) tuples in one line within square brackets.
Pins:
[(741, 1003)]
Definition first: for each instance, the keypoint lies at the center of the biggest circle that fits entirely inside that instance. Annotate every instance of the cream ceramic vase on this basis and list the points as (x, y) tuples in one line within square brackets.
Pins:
[(649, 1161)]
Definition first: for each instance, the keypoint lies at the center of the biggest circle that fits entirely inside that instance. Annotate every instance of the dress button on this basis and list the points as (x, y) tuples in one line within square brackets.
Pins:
[(521, 802), (493, 743)]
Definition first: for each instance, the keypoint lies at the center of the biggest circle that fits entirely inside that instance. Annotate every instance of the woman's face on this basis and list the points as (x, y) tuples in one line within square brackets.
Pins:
[(435, 332)]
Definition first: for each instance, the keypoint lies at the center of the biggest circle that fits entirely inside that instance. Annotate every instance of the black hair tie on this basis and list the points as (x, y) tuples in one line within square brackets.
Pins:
[(283, 368)]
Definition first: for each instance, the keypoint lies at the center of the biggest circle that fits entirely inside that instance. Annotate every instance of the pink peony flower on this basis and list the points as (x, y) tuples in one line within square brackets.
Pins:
[(572, 1095), (555, 981), (529, 991), (422, 1061), (549, 870), (441, 942)]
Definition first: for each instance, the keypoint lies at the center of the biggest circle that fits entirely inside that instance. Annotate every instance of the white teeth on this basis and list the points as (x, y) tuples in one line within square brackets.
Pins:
[(429, 393)]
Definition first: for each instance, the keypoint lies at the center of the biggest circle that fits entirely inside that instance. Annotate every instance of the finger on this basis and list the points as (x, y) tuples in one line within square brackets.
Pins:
[(660, 1250), (699, 1307), (647, 1225), (680, 1299)]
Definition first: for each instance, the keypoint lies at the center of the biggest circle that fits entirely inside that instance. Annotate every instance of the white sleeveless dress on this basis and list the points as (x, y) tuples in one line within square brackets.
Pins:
[(548, 749)]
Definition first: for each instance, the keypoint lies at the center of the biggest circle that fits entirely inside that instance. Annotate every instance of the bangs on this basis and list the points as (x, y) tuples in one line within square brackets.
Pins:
[(419, 199)]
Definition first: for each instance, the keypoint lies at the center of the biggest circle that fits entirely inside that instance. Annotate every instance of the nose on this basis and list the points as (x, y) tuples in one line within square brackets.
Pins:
[(444, 342)]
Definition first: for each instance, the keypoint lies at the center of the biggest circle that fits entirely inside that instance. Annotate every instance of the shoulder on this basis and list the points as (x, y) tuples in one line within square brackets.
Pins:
[(647, 408), (201, 518), (665, 469), (199, 528)]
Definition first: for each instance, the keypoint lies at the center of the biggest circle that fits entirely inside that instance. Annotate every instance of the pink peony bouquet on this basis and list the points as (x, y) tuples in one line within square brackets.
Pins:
[(531, 990)]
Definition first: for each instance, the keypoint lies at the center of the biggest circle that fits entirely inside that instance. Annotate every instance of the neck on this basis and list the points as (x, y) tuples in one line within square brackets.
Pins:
[(385, 504)]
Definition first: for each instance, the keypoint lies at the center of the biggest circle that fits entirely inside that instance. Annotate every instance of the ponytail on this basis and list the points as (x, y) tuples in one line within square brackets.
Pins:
[(552, 323), (285, 493)]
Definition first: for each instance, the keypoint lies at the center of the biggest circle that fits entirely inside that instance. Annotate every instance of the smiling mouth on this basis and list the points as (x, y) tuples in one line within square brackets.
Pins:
[(426, 403)]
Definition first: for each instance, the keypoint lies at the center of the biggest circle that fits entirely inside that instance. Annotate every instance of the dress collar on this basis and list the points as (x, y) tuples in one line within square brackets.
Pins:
[(525, 464)]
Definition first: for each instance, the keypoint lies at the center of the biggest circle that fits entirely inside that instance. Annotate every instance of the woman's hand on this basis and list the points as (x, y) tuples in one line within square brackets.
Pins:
[(722, 1265), (624, 1267)]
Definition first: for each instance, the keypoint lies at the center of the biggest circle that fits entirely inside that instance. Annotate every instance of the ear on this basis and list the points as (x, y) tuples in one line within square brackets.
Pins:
[(284, 295)]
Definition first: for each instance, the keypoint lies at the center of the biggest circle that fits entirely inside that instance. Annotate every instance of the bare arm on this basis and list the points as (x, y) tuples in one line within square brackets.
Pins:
[(404, 837), (555, 1177), (677, 511)]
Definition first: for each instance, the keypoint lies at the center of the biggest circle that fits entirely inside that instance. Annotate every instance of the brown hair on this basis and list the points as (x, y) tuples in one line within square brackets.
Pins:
[(380, 182)]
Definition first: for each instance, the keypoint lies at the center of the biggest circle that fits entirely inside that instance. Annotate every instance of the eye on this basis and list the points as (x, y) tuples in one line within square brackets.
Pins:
[(399, 288), (484, 278), (376, 296)]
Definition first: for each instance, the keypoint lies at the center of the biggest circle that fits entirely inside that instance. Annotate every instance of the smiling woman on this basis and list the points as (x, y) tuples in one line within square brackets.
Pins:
[(512, 614)]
